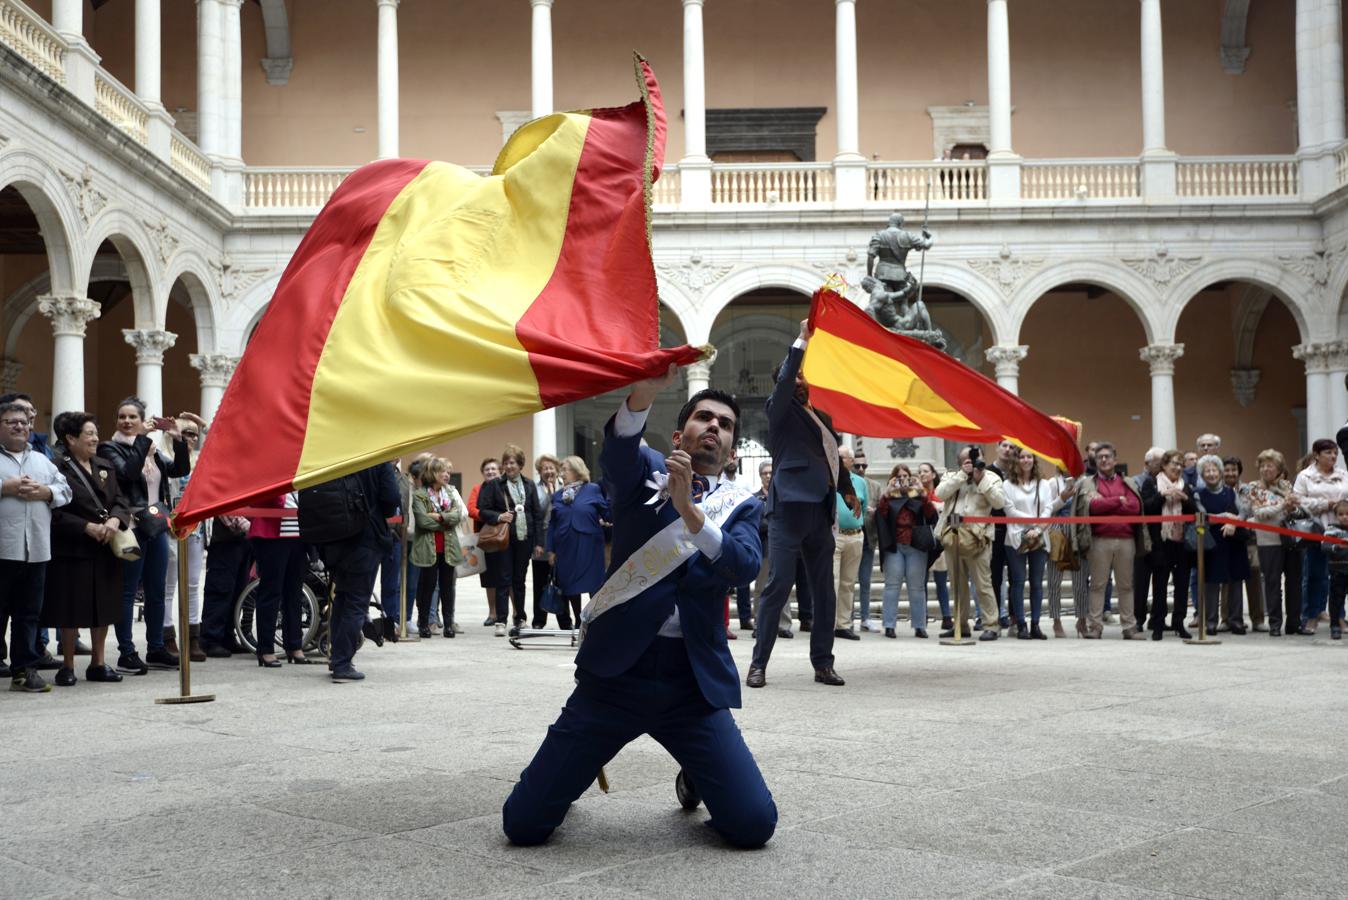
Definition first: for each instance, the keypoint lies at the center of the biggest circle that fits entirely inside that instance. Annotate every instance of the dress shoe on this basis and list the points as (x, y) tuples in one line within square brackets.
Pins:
[(978, 625), (1158, 634), (806, 626), (1058, 629), (1037, 634), (828, 676), (1004, 621), (102, 673), (294, 656), (1022, 633), (757, 677), (65, 677), (890, 633), (988, 635), (920, 633), (785, 633), (347, 674), (424, 632), (215, 651), (846, 634), (1182, 633), (488, 622), (449, 633), (947, 623), (265, 663), (688, 796), (1238, 628), (1274, 631)]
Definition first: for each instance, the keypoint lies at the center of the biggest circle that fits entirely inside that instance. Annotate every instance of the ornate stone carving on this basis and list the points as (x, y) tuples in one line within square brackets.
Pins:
[(69, 314), (89, 200), (10, 370), (697, 275), (150, 344), (216, 368), (235, 279), (1006, 271), (1006, 359), (1161, 357), (1315, 266), (1319, 357), (1243, 382), (902, 448), (163, 235), (850, 268), (277, 68), (1162, 268)]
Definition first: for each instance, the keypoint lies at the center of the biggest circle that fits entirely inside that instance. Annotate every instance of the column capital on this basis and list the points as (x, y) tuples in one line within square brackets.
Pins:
[(548, 3), (1161, 357), (237, 4), (688, 3), (150, 344), (216, 368), (392, 3), (69, 313), (10, 370), (1319, 356), (698, 370), (1006, 359)]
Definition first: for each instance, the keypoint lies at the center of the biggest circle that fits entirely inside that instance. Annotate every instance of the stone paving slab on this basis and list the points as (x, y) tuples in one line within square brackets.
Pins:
[(1045, 769)]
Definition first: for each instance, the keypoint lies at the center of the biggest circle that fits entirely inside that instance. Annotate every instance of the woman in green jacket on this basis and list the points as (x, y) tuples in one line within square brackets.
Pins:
[(437, 510)]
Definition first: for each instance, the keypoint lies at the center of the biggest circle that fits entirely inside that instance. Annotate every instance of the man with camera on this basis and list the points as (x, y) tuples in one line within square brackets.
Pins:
[(972, 490)]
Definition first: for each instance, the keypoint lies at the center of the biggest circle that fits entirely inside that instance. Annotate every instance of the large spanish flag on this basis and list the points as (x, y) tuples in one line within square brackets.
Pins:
[(427, 301), (874, 382)]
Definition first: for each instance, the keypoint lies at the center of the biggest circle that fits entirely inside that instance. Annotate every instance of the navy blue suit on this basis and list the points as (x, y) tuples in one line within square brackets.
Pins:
[(802, 508), (631, 681)]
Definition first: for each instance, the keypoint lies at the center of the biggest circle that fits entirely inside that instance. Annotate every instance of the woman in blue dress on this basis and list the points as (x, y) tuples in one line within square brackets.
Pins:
[(575, 541), (1228, 561)]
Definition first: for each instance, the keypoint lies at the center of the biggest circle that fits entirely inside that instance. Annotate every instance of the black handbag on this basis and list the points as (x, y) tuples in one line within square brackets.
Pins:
[(152, 521), (553, 601)]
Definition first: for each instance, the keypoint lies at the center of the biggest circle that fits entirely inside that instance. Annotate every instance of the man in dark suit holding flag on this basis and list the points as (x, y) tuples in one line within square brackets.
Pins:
[(653, 655), (806, 472)]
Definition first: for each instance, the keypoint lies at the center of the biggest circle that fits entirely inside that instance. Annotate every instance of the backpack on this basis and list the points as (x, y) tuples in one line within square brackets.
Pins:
[(332, 511)]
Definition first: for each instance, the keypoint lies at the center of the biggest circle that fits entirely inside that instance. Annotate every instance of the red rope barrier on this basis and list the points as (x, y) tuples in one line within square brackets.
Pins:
[(1150, 520), (257, 512)]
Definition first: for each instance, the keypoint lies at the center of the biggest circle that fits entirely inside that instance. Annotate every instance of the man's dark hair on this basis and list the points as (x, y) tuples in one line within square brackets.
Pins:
[(1234, 461), (69, 425), (16, 395), (11, 407), (714, 395)]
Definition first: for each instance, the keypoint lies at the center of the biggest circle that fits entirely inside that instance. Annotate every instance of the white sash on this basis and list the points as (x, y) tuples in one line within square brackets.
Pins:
[(662, 554)]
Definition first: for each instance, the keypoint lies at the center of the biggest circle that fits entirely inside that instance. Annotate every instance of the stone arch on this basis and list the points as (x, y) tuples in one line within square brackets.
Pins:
[(676, 300), (239, 319), (149, 294), (57, 217), (21, 305), (958, 277), (751, 278), (1293, 290), (200, 283), (1131, 287)]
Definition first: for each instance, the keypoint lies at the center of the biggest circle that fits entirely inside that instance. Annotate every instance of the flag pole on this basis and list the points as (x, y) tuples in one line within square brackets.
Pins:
[(922, 260), (185, 694)]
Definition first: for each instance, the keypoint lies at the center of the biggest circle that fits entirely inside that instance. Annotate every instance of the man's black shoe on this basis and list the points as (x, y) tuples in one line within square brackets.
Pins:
[(215, 651), (988, 635), (920, 633), (101, 673), (1004, 621), (348, 674), (757, 677), (785, 633), (828, 676), (65, 677), (160, 659), (47, 663), (805, 626), (131, 664), (688, 796), (846, 634)]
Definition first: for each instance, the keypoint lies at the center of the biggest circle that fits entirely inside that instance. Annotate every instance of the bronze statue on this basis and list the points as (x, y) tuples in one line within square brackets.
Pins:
[(896, 296)]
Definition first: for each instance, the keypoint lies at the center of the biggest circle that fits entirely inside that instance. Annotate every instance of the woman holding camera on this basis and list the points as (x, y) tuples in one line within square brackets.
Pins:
[(1028, 496), (903, 529)]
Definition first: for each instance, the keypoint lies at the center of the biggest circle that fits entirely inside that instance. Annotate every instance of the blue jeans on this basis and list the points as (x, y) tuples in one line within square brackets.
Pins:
[(390, 586), (1316, 593), (149, 571), (864, 578), (906, 565), (942, 580), (281, 564), (1018, 562)]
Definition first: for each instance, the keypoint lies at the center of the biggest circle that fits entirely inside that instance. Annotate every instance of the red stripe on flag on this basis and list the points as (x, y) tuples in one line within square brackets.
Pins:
[(595, 327), (258, 433)]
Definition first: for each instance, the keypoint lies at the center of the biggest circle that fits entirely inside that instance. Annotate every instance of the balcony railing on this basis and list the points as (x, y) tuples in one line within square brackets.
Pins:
[(188, 161), (1255, 176), (742, 184), (914, 182), (121, 107), (665, 192), (1080, 179), (28, 35)]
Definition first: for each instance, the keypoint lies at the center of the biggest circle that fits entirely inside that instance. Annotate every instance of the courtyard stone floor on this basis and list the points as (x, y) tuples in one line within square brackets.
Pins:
[(1059, 768)]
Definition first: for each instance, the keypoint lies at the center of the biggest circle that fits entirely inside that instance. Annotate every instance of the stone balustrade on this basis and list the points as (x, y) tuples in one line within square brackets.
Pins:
[(665, 192), (741, 184), (114, 102), (1081, 179), (188, 161), (1236, 176), (909, 183), (30, 36)]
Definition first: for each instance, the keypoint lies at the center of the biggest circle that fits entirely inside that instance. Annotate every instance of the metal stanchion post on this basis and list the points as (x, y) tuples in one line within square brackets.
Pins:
[(1201, 528), (959, 640), (185, 694)]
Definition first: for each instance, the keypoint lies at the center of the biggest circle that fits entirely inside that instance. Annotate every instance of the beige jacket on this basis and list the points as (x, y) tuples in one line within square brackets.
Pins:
[(966, 498)]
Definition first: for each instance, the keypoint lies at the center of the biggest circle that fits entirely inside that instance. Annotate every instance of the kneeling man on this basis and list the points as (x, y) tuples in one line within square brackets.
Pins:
[(653, 656)]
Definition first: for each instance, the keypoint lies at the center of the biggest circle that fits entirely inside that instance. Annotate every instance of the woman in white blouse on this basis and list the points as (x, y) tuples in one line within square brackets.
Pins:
[(1028, 496)]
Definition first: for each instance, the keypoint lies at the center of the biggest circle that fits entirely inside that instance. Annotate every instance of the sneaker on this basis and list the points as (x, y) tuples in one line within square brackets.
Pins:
[(500, 629), (160, 659), (435, 628), (29, 682), (457, 629), (347, 674), (131, 664), (47, 663), (871, 625), (101, 673), (65, 677)]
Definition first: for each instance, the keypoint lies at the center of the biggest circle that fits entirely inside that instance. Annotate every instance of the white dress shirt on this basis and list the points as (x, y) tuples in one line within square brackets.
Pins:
[(25, 525)]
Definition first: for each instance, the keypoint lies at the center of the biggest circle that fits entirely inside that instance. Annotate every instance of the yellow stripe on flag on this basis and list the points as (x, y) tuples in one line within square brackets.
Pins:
[(839, 365), (453, 266)]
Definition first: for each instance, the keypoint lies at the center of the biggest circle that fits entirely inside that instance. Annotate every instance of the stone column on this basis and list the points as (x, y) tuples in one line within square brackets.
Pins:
[(1003, 163), (1316, 356), (67, 18), (1161, 359), (150, 345), (231, 78), (10, 370), (1006, 360), (216, 369), (388, 79), (159, 127), (699, 377), (210, 69), (849, 165), (1320, 115), (695, 167), (1337, 362), (69, 314), (1158, 163), (545, 422)]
